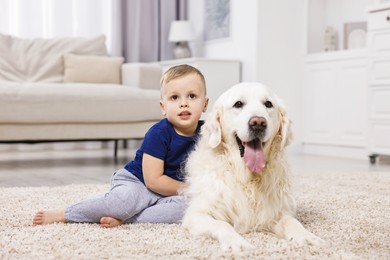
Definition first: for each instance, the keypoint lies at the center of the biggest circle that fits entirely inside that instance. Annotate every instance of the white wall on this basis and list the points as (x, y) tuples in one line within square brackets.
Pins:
[(242, 43), (315, 26), (281, 50), (268, 38)]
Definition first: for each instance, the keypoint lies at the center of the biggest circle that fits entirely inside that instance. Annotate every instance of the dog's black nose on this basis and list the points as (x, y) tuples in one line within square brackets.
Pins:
[(257, 124)]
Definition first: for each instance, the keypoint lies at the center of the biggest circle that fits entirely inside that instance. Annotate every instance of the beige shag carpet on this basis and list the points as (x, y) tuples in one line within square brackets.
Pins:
[(349, 210)]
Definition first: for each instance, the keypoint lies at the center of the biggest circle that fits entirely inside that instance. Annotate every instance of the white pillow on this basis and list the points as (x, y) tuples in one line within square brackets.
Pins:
[(92, 69)]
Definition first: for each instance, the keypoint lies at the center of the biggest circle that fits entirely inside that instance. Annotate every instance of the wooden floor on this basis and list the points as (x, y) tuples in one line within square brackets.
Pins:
[(53, 168)]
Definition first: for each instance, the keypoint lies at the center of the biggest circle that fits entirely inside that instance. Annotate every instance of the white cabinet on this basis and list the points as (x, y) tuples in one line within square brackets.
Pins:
[(335, 82), (335, 99), (379, 81), (220, 75)]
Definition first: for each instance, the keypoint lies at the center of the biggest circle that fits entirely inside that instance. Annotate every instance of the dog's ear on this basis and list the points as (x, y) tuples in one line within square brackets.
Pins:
[(285, 126), (212, 127)]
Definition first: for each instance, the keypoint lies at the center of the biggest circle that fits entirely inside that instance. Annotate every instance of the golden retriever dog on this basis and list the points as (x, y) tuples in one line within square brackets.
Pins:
[(237, 176)]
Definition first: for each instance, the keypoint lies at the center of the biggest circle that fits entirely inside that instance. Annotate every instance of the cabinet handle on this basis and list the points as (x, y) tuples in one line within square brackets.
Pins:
[(388, 18)]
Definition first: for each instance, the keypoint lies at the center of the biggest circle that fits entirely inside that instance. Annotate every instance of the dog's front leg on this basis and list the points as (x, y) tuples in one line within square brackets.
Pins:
[(203, 224), (291, 229)]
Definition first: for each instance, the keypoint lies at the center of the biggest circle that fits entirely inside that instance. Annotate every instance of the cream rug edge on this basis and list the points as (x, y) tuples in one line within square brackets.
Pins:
[(349, 210)]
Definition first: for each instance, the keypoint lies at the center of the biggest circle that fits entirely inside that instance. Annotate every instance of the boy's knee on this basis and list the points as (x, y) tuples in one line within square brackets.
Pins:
[(180, 200), (177, 198), (179, 203)]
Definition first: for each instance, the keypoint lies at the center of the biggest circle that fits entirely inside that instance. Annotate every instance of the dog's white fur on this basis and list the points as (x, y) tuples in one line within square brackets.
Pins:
[(225, 197)]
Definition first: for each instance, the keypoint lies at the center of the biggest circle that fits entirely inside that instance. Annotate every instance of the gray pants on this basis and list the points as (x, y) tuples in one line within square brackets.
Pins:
[(130, 201)]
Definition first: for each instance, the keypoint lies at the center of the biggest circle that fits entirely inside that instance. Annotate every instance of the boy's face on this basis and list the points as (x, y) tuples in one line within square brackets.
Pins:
[(183, 100)]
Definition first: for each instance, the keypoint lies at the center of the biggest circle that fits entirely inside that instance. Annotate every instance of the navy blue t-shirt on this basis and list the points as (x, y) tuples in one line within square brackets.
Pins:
[(162, 142)]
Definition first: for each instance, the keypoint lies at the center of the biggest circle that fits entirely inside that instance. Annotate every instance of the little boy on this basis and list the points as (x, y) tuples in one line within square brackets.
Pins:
[(146, 189)]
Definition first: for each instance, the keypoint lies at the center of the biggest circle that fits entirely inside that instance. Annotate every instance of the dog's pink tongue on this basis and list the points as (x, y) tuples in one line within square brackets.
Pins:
[(254, 156)]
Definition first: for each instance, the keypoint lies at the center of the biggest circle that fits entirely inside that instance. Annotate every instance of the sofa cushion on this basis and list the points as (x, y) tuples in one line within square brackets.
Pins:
[(41, 59), (92, 69), (24, 103)]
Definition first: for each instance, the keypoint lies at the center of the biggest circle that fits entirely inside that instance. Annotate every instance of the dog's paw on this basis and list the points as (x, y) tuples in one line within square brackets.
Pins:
[(306, 237), (236, 244)]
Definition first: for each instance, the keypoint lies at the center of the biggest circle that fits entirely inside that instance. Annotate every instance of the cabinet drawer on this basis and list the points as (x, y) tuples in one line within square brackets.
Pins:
[(379, 20), (379, 138), (380, 71), (379, 103), (379, 43)]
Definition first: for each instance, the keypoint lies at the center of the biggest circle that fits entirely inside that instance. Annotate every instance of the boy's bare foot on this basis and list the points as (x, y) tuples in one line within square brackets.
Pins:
[(109, 222), (49, 217)]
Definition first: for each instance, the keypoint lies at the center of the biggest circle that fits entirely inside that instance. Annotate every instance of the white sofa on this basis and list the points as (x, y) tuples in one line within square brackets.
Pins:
[(68, 89)]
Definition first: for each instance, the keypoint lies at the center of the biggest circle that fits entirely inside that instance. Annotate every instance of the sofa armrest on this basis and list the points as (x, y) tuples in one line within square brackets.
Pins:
[(142, 75)]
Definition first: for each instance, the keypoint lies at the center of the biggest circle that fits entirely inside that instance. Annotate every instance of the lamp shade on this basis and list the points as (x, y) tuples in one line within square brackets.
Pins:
[(181, 31)]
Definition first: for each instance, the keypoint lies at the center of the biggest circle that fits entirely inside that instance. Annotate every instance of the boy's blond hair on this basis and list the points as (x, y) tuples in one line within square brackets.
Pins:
[(180, 71)]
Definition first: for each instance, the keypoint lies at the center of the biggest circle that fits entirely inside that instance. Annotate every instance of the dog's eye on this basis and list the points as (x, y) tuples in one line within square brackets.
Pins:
[(238, 104), (268, 104)]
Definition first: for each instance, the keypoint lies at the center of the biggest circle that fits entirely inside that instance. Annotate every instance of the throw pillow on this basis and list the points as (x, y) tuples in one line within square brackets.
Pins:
[(92, 69)]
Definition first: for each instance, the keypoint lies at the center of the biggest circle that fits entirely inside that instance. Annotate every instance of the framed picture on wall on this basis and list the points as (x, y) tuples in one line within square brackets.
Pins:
[(217, 19), (355, 35)]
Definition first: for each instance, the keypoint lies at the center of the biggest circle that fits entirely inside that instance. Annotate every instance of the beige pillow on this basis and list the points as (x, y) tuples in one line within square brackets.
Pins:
[(92, 69)]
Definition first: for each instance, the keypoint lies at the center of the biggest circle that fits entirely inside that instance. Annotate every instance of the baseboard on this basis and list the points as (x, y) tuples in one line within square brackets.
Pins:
[(330, 150)]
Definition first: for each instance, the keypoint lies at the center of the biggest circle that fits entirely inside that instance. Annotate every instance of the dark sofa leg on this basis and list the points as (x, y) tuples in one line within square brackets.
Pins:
[(115, 149)]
